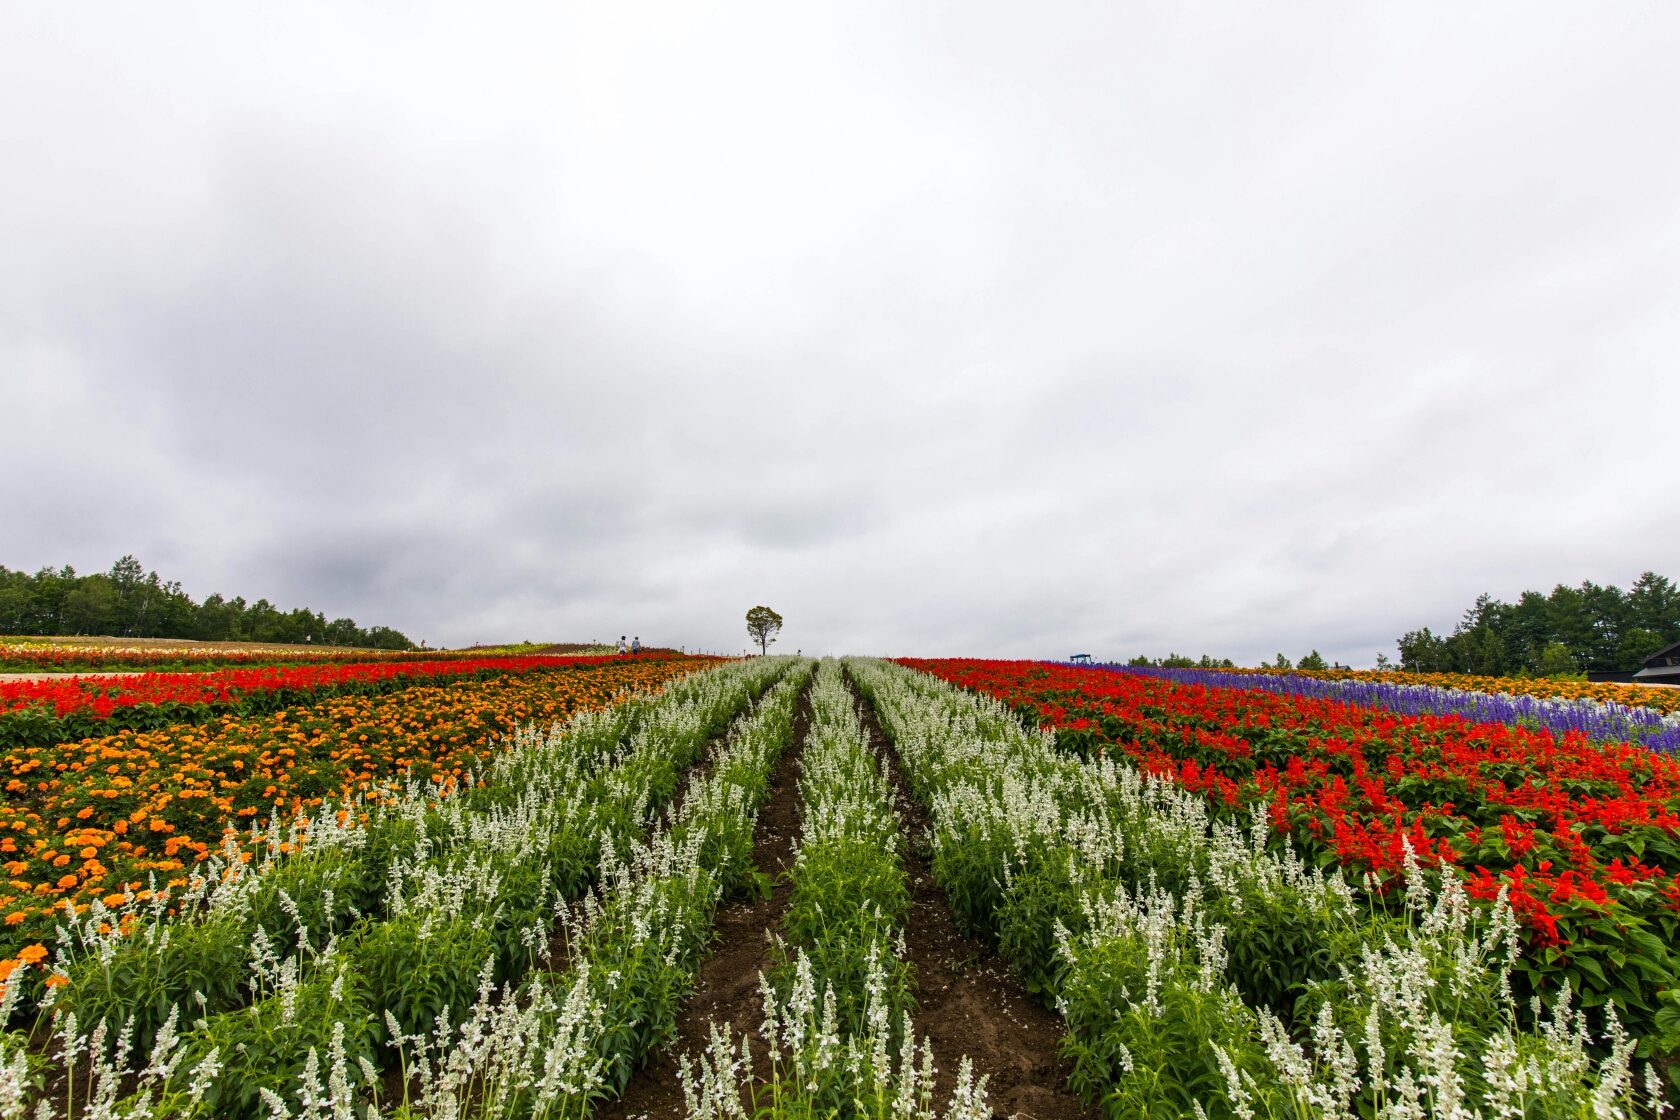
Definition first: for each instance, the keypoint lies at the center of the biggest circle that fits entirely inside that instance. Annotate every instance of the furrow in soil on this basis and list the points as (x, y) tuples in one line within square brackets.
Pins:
[(726, 990), (968, 1002)]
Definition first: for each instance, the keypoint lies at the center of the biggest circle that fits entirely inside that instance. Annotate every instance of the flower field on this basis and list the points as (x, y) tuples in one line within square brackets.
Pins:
[(82, 819), (59, 657), (1664, 700), (1201, 966), (1600, 720), (39, 712), (839, 1008), (1582, 837), (490, 894), (307, 964)]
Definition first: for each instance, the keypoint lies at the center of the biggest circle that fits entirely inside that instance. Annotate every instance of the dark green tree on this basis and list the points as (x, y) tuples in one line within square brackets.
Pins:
[(1312, 661), (1600, 628), (762, 624), (1555, 661), (130, 602)]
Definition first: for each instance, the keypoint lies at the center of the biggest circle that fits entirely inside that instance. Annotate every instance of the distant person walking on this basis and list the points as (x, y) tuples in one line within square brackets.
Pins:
[(621, 646), (636, 646)]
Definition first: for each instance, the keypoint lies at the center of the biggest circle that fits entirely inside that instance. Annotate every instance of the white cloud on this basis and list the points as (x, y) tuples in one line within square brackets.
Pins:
[(981, 329)]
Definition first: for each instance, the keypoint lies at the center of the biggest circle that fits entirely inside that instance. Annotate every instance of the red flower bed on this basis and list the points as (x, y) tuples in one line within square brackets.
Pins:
[(1585, 836), (16, 655), (101, 696)]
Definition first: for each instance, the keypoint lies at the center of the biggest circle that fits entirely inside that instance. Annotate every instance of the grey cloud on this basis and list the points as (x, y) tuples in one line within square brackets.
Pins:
[(976, 329)]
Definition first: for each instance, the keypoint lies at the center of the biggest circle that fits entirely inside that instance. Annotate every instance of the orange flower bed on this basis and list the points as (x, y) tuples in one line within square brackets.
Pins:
[(82, 820)]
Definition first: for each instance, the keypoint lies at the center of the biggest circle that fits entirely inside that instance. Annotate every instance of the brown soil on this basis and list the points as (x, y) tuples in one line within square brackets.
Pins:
[(968, 1000), (726, 991)]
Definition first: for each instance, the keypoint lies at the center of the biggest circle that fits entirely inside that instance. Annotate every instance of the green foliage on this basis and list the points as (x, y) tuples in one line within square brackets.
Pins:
[(140, 978), (1147, 1045), (418, 968), (850, 894), (332, 877), (1312, 661), (965, 865), (762, 625), (270, 1044), (1041, 897), (1555, 661), (1200, 966), (1181, 661), (129, 602), (638, 956), (1598, 628)]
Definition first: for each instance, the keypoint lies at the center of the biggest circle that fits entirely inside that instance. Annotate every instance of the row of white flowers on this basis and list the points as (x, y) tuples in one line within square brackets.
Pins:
[(1205, 972), (367, 920), (837, 1029)]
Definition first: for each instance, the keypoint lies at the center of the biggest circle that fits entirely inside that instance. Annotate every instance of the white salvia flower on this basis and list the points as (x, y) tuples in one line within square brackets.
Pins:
[(204, 1074), (1241, 1102), (1615, 1074), (1342, 1064), (1507, 1077), (968, 1102), (1656, 1102), (310, 1094), (1438, 1058), (342, 1097)]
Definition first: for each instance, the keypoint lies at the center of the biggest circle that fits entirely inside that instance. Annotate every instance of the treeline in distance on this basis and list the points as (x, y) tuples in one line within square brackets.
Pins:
[(1572, 630), (128, 602)]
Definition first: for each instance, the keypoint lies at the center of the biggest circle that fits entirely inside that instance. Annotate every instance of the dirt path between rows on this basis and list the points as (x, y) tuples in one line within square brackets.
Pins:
[(969, 1001), (726, 991)]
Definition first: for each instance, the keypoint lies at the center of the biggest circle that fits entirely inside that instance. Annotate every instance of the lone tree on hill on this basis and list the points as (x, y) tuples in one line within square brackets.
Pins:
[(762, 624)]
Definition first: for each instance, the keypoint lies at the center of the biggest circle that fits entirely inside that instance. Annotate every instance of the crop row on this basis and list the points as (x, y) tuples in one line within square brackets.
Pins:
[(632, 947), (1204, 969), (641, 948), (1582, 837), (1599, 720), (378, 924), (61, 658), (1663, 700), (84, 820), (46, 712), (837, 1024)]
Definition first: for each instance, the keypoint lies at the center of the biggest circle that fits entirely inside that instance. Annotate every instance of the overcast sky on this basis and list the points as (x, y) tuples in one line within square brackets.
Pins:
[(991, 329)]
